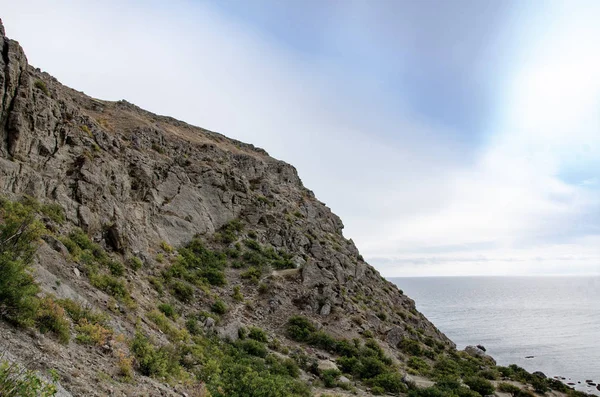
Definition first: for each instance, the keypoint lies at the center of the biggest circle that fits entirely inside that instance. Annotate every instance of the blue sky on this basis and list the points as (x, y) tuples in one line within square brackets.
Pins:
[(452, 137)]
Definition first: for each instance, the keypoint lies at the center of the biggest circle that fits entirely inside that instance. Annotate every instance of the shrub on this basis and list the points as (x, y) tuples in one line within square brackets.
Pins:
[(252, 347), (53, 211), (40, 85), (135, 263), (252, 274), (330, 377), (228, 233), (219, 307), (198, 265), (78, 312), (19, 233), (323, 340), (111, 285), (508, 388), (257, 334), (371, 367), (125, 365), (480, 385), (166, 247), (252, 244), (418, 364), (19, 382), (390, 382), (300, 328), (167, 327), (489, 374), (237, 294), (539, 384), (92, 334), (411, 347), (150, 360), (51, 318), (193, 326), (446, 368), (283, 263), (183, 291), (116, 268), (167, 310)]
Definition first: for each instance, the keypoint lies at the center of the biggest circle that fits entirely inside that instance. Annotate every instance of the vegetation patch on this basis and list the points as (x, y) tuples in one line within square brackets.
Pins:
[(16, 381)]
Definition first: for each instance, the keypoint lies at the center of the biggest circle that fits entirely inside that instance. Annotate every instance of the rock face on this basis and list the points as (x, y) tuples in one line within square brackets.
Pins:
[(132, 179)]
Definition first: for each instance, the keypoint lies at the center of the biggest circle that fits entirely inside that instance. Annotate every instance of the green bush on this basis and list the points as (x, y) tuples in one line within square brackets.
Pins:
[(198, 265), (329, 377), (508, 388), (151, 361), (18, 382), (253, 245), (300, 328), (219, 307), (252, 274), (111, 285), (19, 233), (489, 374), (539, 384), (390, 382), (193, 326), (254, 258), (480, 385), (116, 268), (237, 294), (228, 233), (418, 365), (257, 334), (446, 368), (411, 347), (53, 211), (167, 309), (41, 85), (252, 347), (51, 318), (183, 291), (135, 263), (323, 341), (77, 312)]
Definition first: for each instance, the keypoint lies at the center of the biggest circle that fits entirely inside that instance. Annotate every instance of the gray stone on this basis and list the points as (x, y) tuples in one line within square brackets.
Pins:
[(343, 380), (325, 309), (324, 365), (209, 322), (395, 336), (474, 351), (230, 332)]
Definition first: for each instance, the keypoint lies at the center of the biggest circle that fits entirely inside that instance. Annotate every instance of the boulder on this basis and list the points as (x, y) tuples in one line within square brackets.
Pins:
[(343, 380), (474, 351), (325, 365), (395, 336), (230, 332)]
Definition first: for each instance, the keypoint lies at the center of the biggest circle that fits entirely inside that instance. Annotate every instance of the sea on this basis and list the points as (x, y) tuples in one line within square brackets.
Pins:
[(548, 324)]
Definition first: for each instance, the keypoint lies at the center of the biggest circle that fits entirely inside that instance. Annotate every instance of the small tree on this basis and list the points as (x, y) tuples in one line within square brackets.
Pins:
[(19, 233)]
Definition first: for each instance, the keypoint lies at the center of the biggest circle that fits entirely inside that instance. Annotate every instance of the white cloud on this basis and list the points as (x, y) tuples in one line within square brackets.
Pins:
[(402, 186)]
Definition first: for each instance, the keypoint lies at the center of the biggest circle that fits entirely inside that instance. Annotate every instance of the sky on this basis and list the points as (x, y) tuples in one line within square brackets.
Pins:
[(452, 137)]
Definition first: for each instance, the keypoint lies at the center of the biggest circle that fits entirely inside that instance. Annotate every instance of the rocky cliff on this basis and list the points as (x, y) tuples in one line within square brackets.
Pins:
[(150, 212)]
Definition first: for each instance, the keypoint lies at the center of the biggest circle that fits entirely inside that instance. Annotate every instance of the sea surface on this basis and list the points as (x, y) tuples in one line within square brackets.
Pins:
[(554, 319)]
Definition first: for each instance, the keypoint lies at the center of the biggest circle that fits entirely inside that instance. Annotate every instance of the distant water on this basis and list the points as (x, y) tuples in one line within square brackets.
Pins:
[(554, 319)]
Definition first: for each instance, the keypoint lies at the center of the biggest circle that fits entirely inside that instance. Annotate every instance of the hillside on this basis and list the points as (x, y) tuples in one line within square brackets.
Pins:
[(172, 260)]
